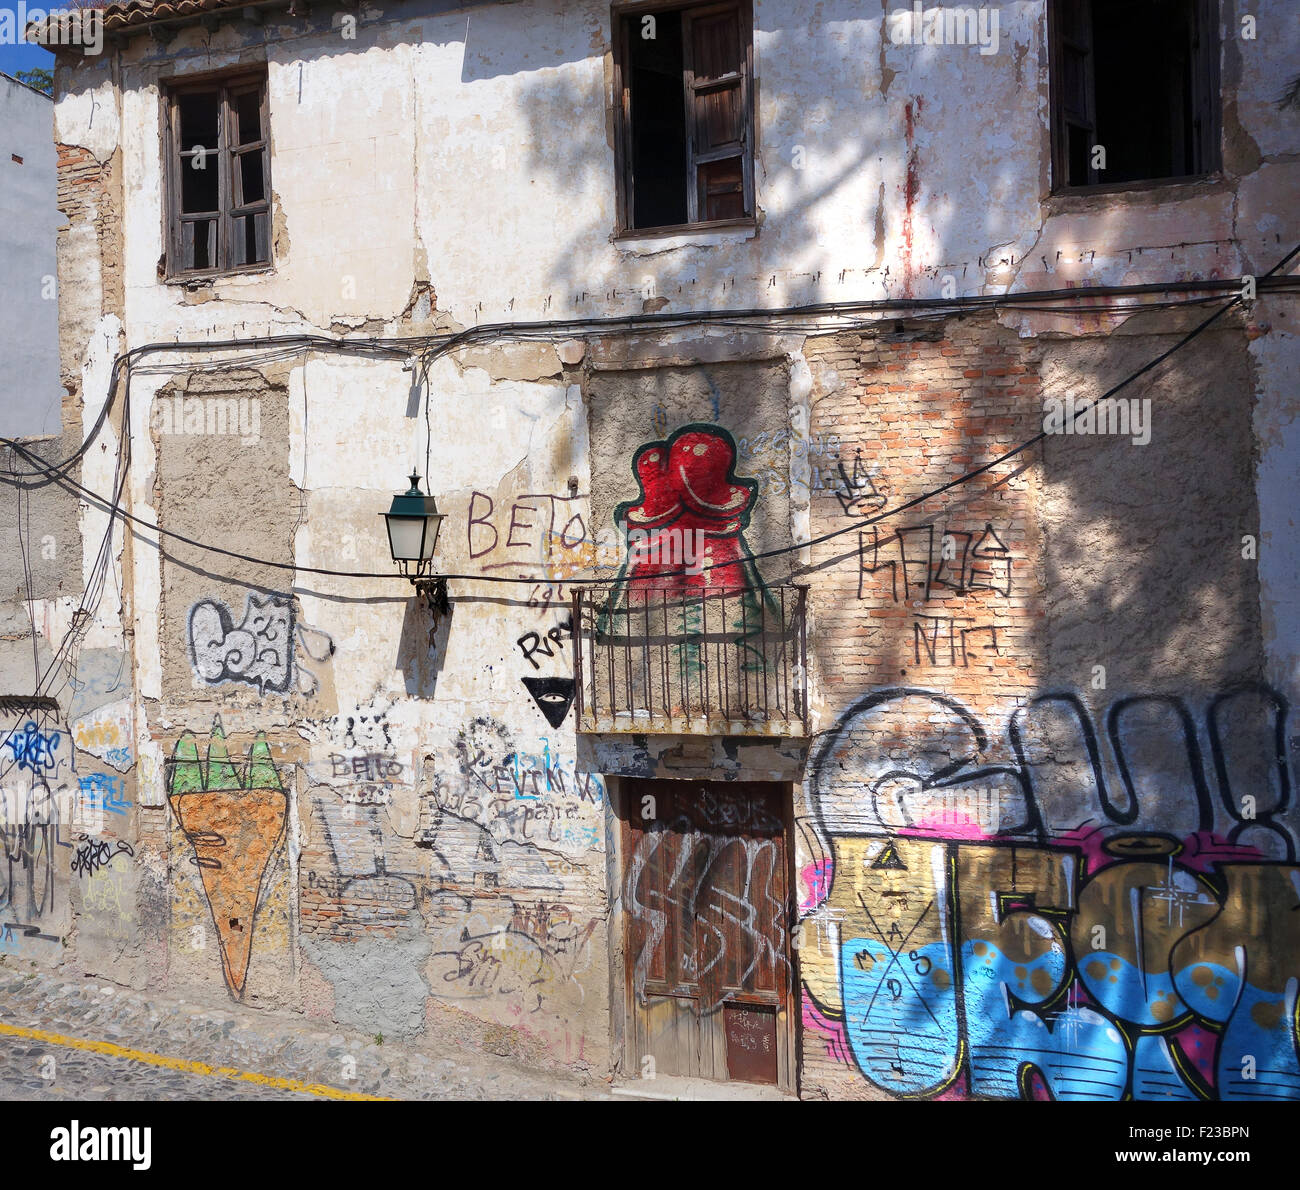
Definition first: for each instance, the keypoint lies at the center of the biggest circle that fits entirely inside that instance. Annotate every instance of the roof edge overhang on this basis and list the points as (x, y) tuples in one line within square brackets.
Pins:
[(61, 33)]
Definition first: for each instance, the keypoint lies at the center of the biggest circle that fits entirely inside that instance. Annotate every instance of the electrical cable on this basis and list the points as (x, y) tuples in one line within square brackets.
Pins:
[(83, 615), (288, 346), (436, 345), (92, 595), (857, 524), (385, 346)]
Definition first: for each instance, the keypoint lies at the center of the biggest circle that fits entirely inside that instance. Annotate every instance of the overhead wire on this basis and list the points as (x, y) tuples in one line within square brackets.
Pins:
[(293, 345), (66, 653), (772, 318), (437, 346)]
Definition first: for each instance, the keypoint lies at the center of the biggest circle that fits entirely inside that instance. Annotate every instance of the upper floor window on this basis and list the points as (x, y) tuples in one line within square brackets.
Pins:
[(1135, 88), (218, 162), (683, 86)]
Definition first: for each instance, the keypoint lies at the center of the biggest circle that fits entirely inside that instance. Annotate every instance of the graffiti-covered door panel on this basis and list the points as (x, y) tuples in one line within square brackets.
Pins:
[(709, 966)]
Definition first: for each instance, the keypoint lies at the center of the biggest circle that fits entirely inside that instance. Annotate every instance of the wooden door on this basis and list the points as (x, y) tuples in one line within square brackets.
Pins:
[(707, 902)]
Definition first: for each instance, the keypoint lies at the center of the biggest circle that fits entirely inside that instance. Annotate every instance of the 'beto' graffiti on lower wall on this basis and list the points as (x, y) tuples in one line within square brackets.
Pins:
[(1021, 931)]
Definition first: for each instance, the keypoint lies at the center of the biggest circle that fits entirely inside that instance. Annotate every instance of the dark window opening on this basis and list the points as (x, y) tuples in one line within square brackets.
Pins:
[(658, 110), (685, 111), (1134, 89), (199, 119), (248, 105), (218, 159)]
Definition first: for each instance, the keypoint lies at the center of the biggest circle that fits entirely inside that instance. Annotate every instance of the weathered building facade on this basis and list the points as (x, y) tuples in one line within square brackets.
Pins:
[(829, 696)]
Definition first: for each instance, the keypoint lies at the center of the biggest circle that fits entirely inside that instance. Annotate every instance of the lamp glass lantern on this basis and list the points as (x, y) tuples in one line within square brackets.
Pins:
[(413, 522)]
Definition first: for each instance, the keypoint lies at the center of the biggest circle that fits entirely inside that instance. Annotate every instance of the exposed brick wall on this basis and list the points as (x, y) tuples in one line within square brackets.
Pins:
[(89, 192), (944, 597), (914, 411), (1011, 703)]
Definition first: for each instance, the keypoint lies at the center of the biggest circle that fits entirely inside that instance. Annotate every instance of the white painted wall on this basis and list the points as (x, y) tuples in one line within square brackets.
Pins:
[(474, 148), (30, 395)]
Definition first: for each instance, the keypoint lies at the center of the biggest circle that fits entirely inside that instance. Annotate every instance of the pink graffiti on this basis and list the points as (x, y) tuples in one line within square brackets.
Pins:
[(837, 1042), (1198, 1047), (816, 878), (1199, 851), (946, 824)]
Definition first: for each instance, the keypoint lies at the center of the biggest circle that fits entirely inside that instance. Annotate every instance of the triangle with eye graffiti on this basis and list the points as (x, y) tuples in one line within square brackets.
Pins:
[(888, 858), (553, 696)]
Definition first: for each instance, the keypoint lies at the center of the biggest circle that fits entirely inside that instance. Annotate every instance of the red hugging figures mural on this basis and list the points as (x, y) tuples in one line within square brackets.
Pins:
[(685, 529), (686, 549)]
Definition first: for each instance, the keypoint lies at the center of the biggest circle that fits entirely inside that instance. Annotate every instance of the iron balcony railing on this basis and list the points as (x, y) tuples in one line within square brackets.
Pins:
[(671, 662)]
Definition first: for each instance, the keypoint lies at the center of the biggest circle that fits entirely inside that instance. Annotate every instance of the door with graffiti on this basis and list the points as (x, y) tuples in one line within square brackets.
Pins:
[(709, 963)]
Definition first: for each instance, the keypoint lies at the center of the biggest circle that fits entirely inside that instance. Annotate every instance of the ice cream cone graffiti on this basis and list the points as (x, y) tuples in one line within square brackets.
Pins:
[(234, 822)]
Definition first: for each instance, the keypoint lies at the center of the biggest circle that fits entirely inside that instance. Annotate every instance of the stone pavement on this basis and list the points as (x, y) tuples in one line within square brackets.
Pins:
[(268, 1056)]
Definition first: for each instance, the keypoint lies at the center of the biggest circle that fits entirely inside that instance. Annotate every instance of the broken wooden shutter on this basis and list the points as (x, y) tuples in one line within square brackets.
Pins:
[(249, 170), (717, 80), (1074, 89)]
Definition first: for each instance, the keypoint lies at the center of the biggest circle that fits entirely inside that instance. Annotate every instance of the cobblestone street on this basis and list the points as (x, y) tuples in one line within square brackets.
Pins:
[(89, 1041)]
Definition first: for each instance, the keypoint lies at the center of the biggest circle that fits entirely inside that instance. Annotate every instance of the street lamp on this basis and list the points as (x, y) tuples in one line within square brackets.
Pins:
[(413, 522)]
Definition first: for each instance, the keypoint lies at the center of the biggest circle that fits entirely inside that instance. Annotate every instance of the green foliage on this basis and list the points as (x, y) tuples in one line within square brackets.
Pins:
[(40, 79)]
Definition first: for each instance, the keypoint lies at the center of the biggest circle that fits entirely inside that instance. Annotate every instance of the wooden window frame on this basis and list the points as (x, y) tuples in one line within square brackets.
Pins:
[(619, 25), (1206, 107), (175, 158)]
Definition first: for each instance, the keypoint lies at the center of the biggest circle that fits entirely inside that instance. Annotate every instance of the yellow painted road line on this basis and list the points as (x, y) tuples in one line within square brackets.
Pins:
[(186, 1065)]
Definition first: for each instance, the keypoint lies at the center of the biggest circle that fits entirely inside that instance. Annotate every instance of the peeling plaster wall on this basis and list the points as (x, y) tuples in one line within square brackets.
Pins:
[(475, 111), (433, 866), (417, 847), (67, 722), (40, 760)]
